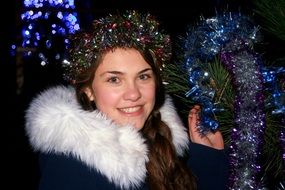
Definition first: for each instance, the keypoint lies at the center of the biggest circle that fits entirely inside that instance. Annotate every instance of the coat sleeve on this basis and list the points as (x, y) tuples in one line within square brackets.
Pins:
[(210, 166), (61, 172)]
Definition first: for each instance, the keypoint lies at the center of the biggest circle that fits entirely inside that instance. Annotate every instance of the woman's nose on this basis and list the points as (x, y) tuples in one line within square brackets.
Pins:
[(132, 92)]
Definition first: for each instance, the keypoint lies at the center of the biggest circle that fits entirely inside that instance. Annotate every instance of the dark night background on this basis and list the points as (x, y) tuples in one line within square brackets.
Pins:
[(20, 163)]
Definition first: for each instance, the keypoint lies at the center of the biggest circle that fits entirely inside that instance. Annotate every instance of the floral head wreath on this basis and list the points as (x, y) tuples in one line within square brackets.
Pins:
[(129, 30)]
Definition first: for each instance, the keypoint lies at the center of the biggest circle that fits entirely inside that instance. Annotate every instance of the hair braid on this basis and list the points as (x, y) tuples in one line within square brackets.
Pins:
[(165, 170)]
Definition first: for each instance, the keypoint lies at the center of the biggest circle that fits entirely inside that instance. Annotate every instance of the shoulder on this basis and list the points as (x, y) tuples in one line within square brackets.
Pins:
[(60, 171)]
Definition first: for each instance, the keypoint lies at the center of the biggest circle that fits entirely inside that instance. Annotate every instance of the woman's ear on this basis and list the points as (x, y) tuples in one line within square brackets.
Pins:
[(89, 93)]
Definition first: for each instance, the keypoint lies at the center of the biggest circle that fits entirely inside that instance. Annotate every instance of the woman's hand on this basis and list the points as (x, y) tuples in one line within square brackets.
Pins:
[(211, 139)]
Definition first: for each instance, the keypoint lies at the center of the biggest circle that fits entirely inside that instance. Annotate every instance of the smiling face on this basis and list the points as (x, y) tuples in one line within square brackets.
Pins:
[(124, 87)]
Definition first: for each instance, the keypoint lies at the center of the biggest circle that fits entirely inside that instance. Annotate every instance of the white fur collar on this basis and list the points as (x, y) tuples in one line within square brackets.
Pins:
[(56, 123)]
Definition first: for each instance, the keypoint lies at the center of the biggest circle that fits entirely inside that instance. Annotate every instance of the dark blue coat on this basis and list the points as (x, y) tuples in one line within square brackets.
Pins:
[(60, 172)]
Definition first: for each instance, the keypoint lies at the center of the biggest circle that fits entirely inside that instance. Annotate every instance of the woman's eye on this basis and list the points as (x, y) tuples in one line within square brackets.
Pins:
[(144, 76), (113, 80)]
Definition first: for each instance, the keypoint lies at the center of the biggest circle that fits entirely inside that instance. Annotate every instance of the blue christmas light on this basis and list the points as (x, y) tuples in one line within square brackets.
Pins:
[(42, 25), (272, 78)]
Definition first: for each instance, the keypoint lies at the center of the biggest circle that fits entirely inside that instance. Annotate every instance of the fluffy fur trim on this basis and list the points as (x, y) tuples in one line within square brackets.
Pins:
[(55, 122)]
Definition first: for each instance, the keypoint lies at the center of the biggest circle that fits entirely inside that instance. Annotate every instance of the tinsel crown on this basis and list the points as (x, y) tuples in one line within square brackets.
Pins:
[(128, 30)]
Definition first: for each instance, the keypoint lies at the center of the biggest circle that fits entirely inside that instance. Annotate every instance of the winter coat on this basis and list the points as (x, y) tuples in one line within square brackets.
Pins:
[(83, 150)]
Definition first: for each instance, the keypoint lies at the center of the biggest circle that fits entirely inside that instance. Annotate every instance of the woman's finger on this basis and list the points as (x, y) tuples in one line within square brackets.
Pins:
[(193, 120)]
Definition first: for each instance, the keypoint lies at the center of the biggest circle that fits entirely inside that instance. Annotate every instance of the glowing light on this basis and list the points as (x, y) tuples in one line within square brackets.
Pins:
[(39, 31)]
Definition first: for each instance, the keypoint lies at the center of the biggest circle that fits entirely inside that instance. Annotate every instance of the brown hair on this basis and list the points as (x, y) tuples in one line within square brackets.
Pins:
[(165, 169)]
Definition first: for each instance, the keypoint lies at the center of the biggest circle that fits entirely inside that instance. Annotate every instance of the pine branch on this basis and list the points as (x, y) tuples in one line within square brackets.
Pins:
[(272, 152), (273, 14), (176, 84)]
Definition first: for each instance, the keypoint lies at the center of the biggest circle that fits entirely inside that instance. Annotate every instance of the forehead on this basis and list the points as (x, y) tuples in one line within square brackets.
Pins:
[(123, 58)]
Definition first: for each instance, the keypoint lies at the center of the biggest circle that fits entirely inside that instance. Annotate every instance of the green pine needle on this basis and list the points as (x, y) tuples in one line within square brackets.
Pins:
[(272, 150), (176, 80), (272, 13)]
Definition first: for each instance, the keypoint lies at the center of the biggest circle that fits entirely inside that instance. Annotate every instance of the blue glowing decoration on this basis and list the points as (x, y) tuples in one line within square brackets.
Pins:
[(230, 37), (46, 25), (274, 80), (202, 44)]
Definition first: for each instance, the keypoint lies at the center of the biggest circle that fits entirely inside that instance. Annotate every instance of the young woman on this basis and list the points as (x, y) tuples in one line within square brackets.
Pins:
[(115, 128)]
